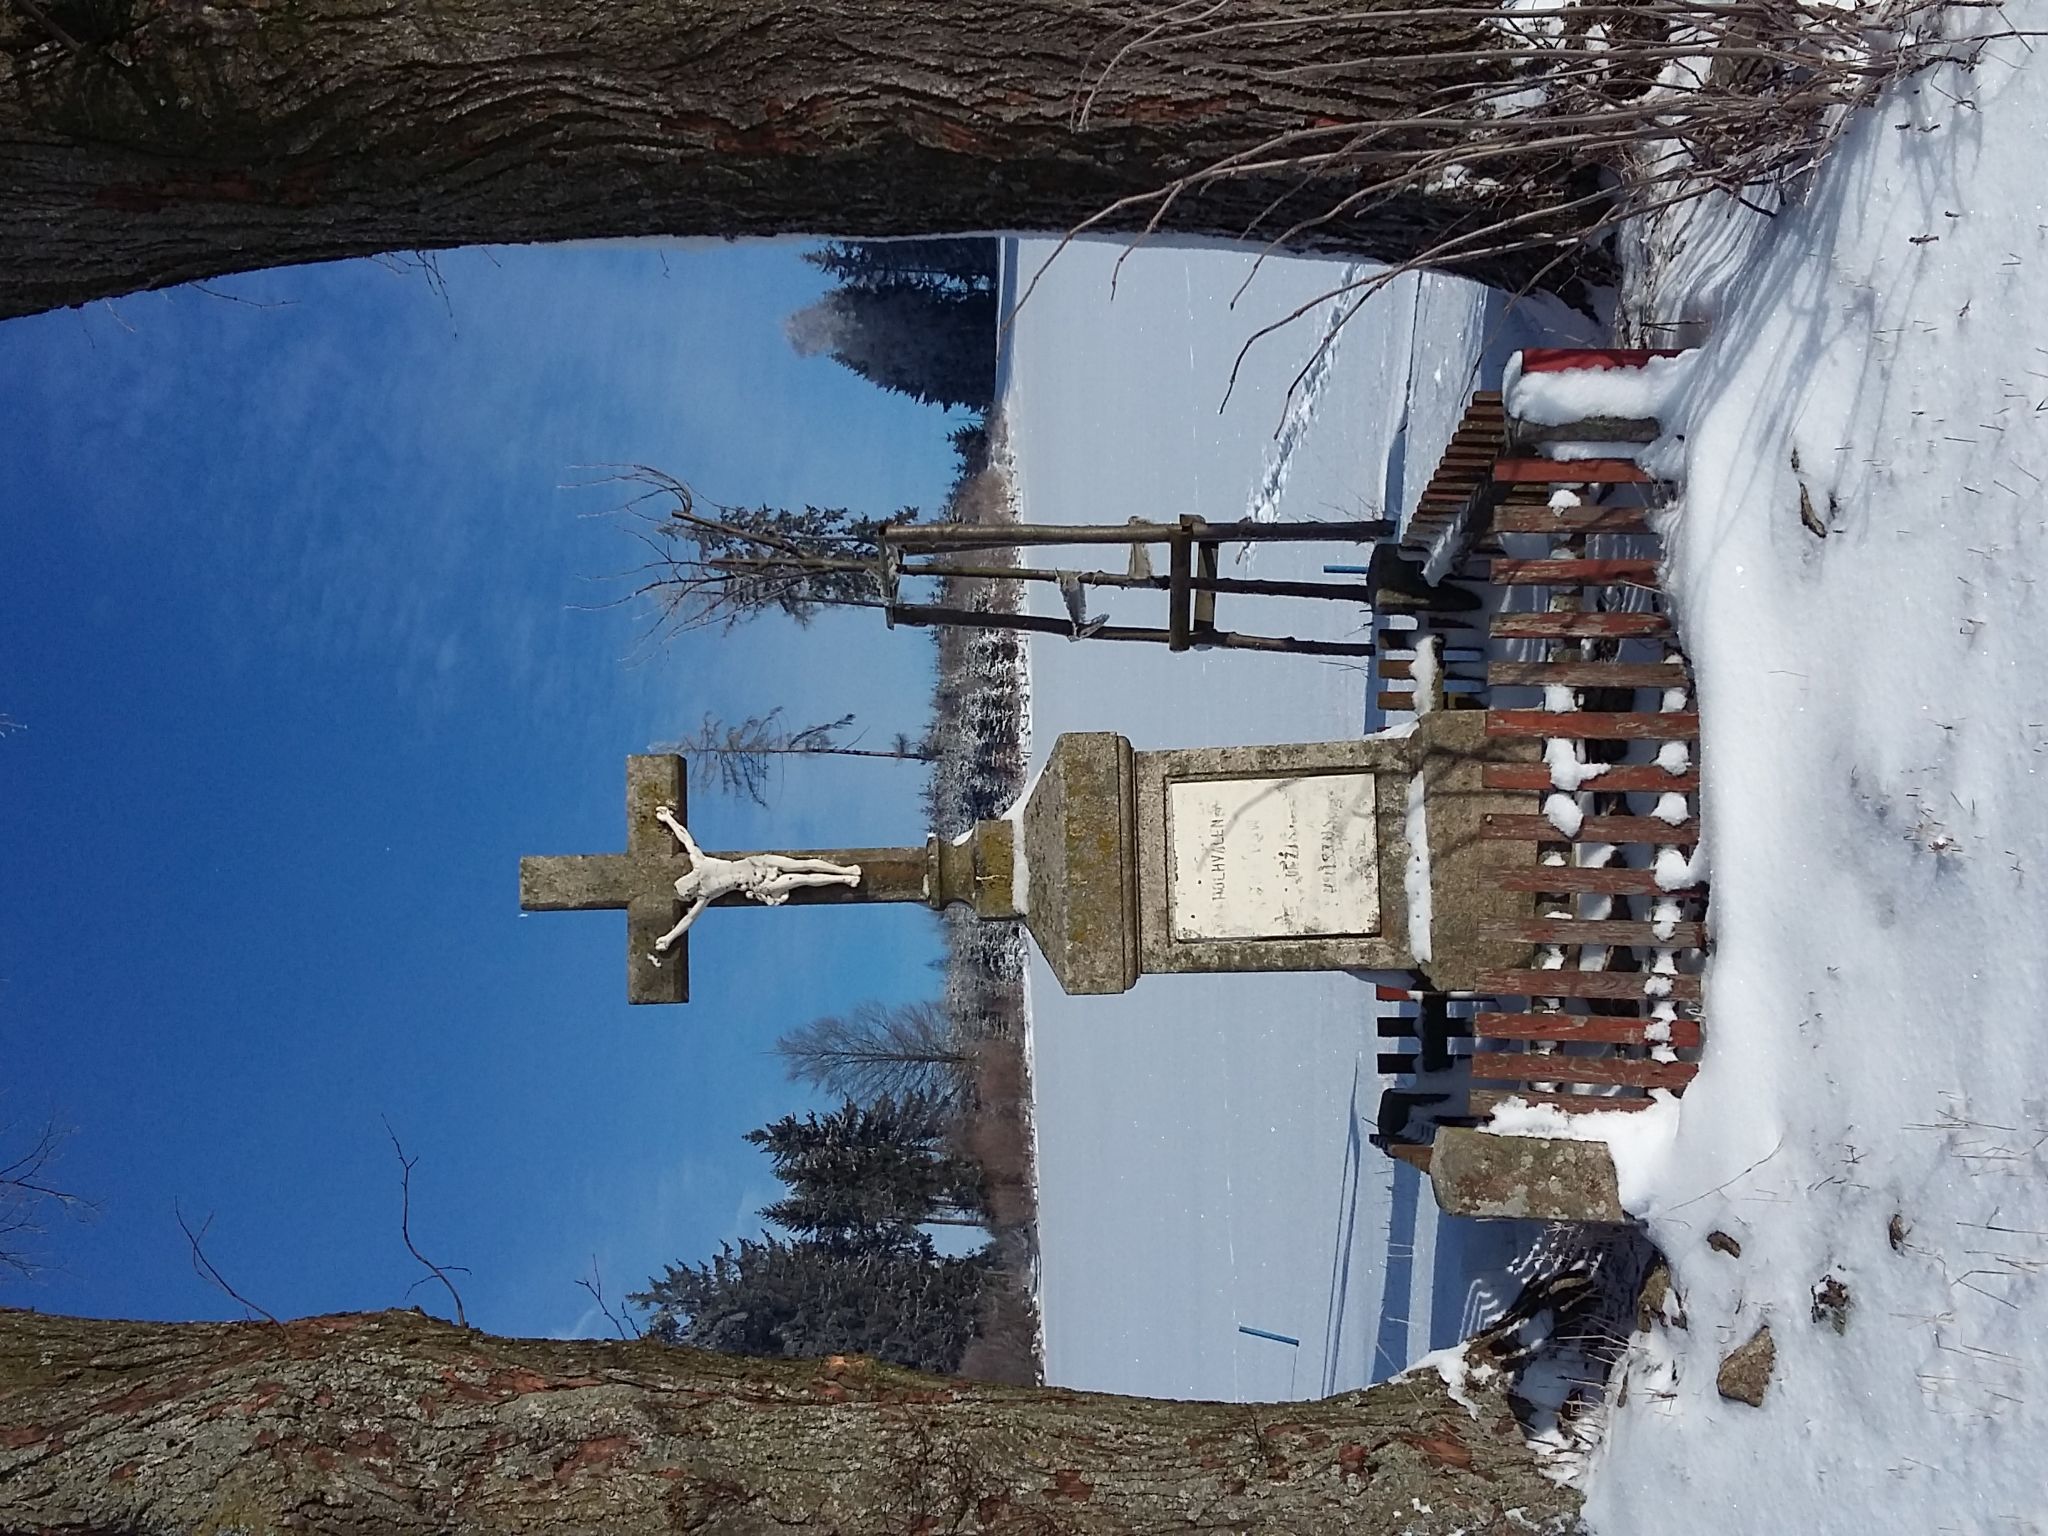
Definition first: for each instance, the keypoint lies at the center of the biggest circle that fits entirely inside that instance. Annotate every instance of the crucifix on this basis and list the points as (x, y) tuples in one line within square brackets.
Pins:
[(663, 880)]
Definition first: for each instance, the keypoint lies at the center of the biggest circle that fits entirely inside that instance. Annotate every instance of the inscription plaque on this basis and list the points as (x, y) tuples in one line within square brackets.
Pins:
[(1278, 857)]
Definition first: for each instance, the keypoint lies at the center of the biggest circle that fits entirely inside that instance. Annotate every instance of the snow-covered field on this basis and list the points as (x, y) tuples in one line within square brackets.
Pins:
[(1202, 1161)]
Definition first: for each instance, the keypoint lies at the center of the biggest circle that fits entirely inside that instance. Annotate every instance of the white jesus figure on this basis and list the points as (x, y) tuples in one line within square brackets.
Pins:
[(767, 877)]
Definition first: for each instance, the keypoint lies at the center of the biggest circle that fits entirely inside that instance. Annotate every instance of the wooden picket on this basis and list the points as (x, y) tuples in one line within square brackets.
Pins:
[(1575, 626), (1594, 1028), (1502, 828), (1618, 778), (1572, 879), (1558, 1067)]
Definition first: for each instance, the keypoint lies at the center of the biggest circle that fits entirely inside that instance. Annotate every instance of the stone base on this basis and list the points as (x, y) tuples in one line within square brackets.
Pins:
[(1530, 1178)]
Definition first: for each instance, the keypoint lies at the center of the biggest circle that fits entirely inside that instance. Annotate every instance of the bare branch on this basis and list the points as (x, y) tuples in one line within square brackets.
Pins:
[(595, 1285), (435, 1271), (204, 1267), (28, 1195)]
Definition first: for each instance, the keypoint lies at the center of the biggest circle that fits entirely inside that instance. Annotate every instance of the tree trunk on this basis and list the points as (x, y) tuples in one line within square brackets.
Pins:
[(392, 1423), (148, 142)]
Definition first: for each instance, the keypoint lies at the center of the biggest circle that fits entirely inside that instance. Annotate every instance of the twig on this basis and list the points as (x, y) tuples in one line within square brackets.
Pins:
[(204, 1267), (435, 1271), (595, 1285), (1752, 1168)]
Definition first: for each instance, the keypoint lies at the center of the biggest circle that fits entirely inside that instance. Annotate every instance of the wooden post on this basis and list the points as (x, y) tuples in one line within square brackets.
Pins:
[(930, 615), (1178, 598), (935, 538)]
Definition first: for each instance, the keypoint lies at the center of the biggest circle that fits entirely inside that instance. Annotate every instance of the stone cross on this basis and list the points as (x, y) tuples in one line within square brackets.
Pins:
[(641, 881)]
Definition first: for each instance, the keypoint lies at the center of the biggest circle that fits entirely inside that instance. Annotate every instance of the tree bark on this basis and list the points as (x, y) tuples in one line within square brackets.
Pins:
[(392, 1423), (149, 142)]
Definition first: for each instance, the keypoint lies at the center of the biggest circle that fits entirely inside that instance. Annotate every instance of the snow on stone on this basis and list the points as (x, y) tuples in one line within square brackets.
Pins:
[(1641, 1140)]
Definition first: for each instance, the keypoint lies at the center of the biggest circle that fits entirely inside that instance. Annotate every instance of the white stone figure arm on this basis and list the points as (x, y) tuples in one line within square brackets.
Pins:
[(663, 944), (666, 815)]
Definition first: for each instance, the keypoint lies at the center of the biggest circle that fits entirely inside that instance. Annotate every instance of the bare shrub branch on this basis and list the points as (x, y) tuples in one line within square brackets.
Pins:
[(434, 1271), (1668, 101), (205, 1269), (28, 1194), (595, 1285)]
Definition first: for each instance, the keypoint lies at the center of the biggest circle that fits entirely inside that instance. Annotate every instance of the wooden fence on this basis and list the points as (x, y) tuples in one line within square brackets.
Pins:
[(1569, 645)]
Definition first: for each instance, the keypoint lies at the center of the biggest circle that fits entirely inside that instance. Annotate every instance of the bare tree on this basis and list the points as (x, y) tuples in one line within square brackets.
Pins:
[(911, 1049), (29, 1198), (715, 566), (738, 758)]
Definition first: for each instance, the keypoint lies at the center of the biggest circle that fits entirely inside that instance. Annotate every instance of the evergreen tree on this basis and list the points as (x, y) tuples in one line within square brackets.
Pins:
[(718, 565), (935, 344), (868, 1170), (969, 265), (897, 1299)]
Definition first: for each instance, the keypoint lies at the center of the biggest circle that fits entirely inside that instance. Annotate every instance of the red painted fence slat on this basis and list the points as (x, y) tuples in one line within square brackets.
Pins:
[(1573, 573), (1594, 724), (1598, 1028), (1622, 985), (1633, 778), (1580, 930), (1578, 626), (1530, 1067), (1592, 829), (1568, 880), (1569, 472)]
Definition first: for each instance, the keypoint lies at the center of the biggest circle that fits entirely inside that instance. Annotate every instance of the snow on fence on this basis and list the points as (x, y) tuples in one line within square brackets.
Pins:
[(1539, 601)]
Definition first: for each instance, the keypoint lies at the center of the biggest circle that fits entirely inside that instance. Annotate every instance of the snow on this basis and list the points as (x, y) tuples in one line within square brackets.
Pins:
[(1556, 399), (1872, 1107), (1566, 759), (1564, 813)]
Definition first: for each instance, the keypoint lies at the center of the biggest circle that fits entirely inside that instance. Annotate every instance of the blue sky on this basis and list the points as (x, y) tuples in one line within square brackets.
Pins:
[(310, 642)]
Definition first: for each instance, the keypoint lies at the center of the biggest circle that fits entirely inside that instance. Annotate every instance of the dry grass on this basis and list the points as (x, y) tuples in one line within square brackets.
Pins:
[(1669, 100)]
